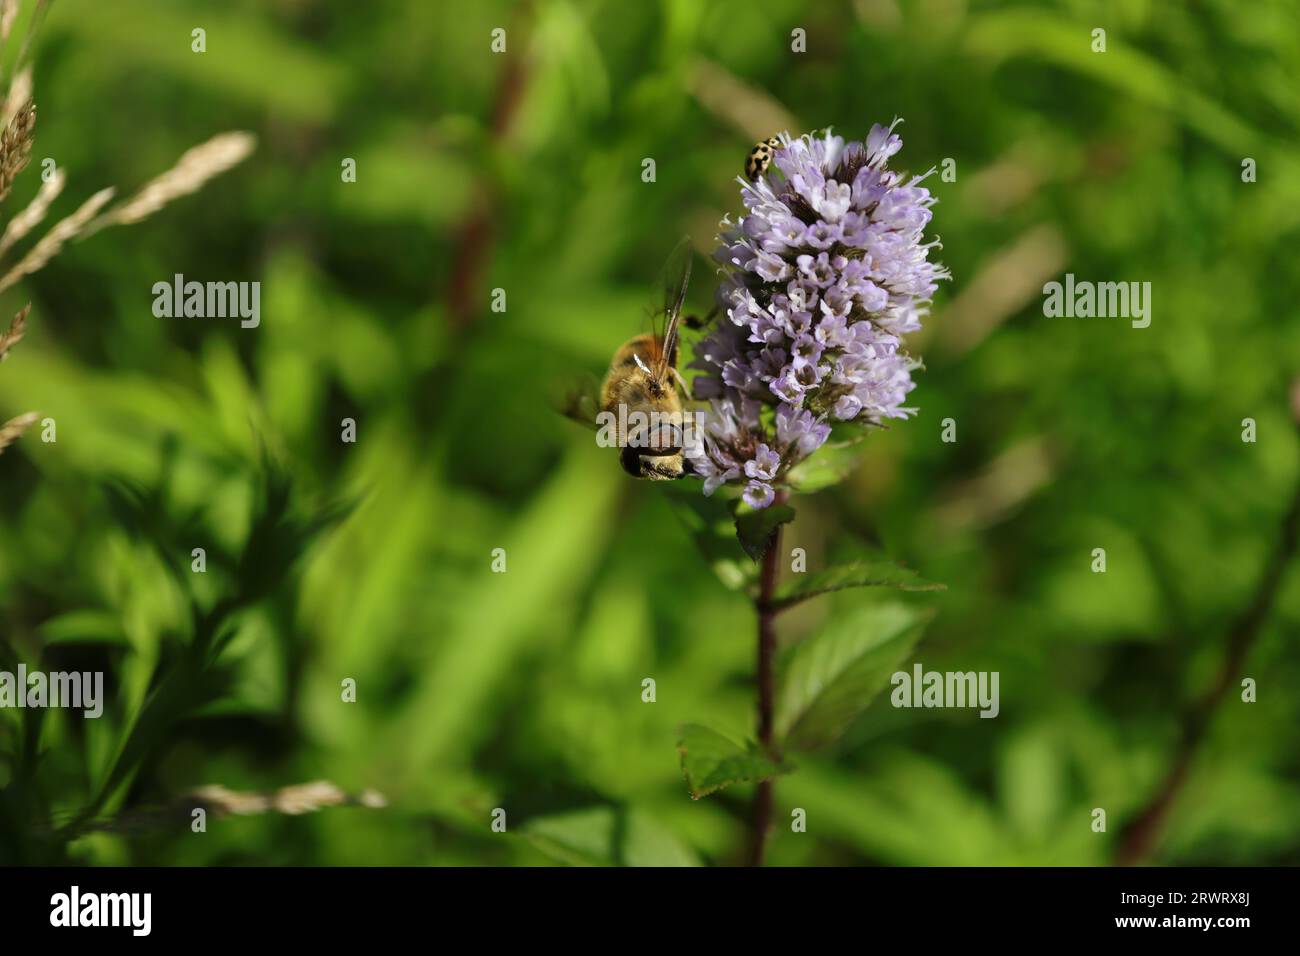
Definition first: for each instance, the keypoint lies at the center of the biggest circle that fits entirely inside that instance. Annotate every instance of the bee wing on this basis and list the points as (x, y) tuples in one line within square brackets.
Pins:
[(675, 277), (581, 401)]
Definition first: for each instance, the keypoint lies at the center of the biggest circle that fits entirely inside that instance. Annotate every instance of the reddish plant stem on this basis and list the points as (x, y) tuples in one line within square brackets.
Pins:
[(766, 688), (767, 644), (1142, 834), (475, 235)]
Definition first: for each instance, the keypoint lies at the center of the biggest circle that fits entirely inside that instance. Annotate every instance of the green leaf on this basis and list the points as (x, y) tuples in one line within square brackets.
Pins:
[(1042, 35), (829, 465), (84, 627), (712, 527), (309, 87), (559, 537), (909, 810), (832, 677), (871, 573), (712, 761), (756, 529), (607, 836)]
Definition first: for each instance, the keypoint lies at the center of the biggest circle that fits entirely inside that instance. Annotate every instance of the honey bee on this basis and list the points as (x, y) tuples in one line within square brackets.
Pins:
[(640, 401), (760, 157)]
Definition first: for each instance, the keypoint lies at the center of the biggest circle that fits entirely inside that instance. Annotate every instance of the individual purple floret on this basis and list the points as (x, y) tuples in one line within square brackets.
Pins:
[(822, 276)]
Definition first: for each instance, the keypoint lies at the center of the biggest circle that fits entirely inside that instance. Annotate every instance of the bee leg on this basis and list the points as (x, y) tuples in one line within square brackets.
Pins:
[(688, 470)]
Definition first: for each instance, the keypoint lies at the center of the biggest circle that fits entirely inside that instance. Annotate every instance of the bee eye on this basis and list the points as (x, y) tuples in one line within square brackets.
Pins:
[(630, 459)]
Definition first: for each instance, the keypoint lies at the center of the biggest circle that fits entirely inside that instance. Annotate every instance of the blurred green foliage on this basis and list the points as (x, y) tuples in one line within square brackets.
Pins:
[(372, 561)]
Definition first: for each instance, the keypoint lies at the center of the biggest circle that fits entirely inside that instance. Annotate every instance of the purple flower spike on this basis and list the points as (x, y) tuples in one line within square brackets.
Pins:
[(822, 275)]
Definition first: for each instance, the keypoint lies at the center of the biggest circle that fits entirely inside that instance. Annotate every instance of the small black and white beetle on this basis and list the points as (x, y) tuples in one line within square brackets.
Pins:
[(760, 157)]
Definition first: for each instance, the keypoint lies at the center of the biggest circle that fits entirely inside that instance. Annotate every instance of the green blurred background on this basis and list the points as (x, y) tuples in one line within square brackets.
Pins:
[(522, 171)]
